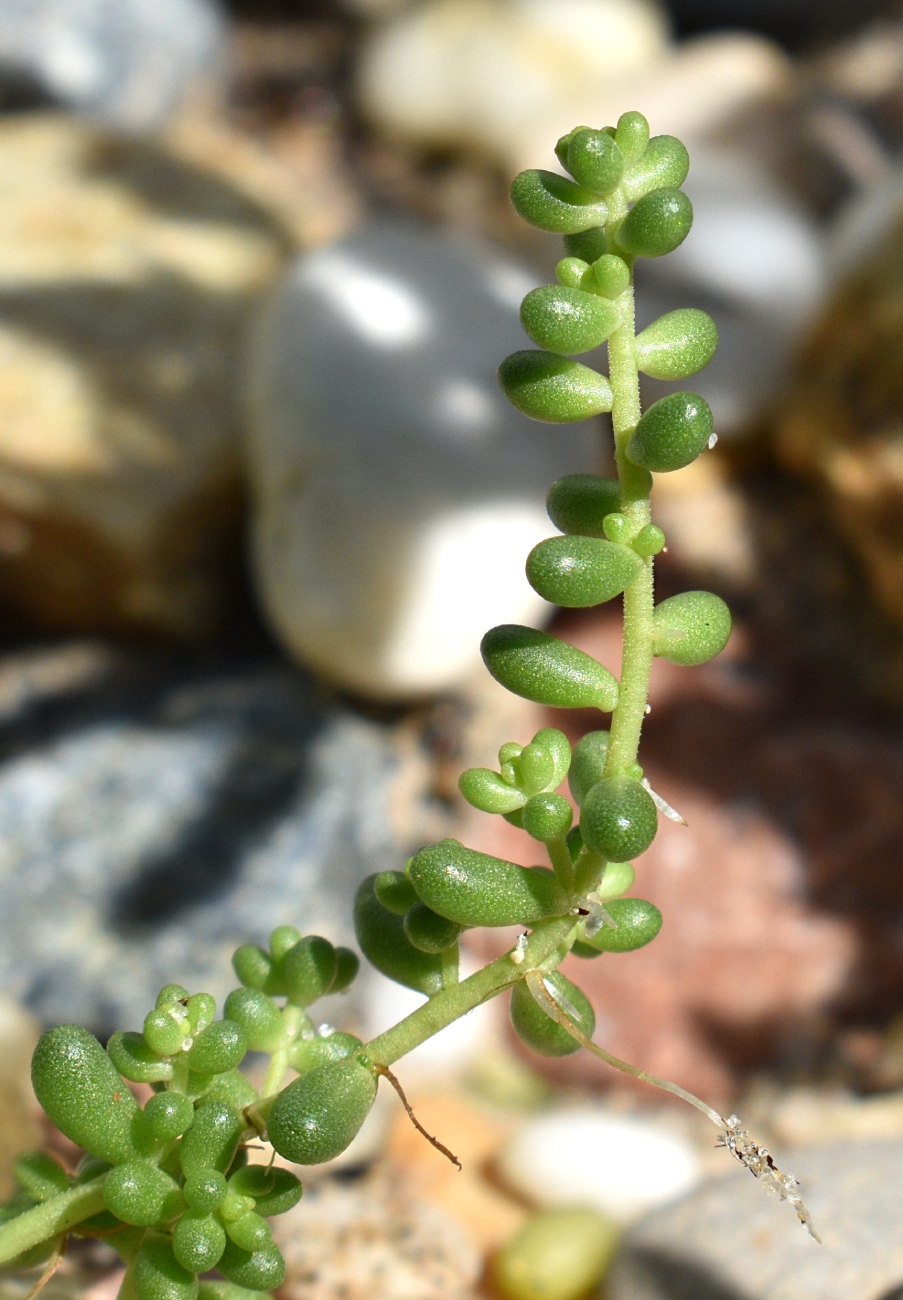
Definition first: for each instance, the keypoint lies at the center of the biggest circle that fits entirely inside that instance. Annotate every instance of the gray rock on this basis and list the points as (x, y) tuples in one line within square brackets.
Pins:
[(397, 492), (126, 63), (156, 814), (729, 1241)]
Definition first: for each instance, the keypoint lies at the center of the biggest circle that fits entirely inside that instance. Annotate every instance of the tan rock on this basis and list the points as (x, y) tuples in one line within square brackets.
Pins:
[(19, 1128), (126, 277), (466, 1195), (373, 1238)]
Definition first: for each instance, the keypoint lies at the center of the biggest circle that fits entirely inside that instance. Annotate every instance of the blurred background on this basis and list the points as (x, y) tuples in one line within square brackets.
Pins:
[(260, 498)]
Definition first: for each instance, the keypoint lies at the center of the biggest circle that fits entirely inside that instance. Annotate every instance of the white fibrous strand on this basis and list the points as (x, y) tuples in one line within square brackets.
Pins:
[(662, 804), (566, 1005), (760, 1164), (599, 916)]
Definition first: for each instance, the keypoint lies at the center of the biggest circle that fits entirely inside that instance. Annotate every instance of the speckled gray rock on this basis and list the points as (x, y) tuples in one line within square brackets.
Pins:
[(155, 814), (397, 492), (729, 1241), (125, 63)]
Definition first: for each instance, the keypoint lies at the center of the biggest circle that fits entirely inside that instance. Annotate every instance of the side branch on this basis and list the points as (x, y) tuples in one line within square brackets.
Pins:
[(49, 1219)]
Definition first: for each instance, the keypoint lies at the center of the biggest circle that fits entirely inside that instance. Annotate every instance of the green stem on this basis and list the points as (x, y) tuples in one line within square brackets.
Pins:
[(293, 1018), (639, 604), (450, 962), (49, 1219), (560, 858), (452, 1003)]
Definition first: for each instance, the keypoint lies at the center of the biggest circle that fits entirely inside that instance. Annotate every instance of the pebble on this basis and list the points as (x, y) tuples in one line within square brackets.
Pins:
[(618, 1164), (396, 491), (125, 63), (506, 78), (486, 74), (368, 1238), (729, 1239), (126, 276), (161, 814)]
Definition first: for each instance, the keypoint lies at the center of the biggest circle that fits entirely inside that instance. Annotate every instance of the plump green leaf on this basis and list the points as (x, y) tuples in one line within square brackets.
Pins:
[(135, 1060), (394, 891), (156, 1274), (664, 163), (198, 1242), (588, 245), (309, 968), (538, 1030), (216, 1288), (218, 1048), (275, 1190), (259, 1017), (250, 1232), (671, 433), (618, 818), (638, 922), (141, 1194), (165, 1031), (485, 789), (205, 1190), (577, 572), (578, 503), (252, 965), (677, 345), (553, 202), (657, 224), (611, 275), (691, 628), (476, 889), (347, 965), (310, 1053), (428, 931), (261, 1270), (541, 668), (632, 135), (384, 943), (650, 540), (318, 1115), (168, 1115), (588, 763), (83, 1094), (594, 160), (547, 817), (570, 272), (553, 388), (211, 1141), (558, 747), (568, 320)]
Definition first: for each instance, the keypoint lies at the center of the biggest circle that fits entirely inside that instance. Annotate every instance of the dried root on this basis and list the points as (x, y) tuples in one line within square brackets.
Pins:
[(732, 1134), (760, 1164)]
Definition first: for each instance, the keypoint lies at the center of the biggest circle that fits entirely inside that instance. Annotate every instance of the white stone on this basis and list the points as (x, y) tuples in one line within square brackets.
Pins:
[(397, 492), (492, 73), (589, 1156), (508, 77)]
